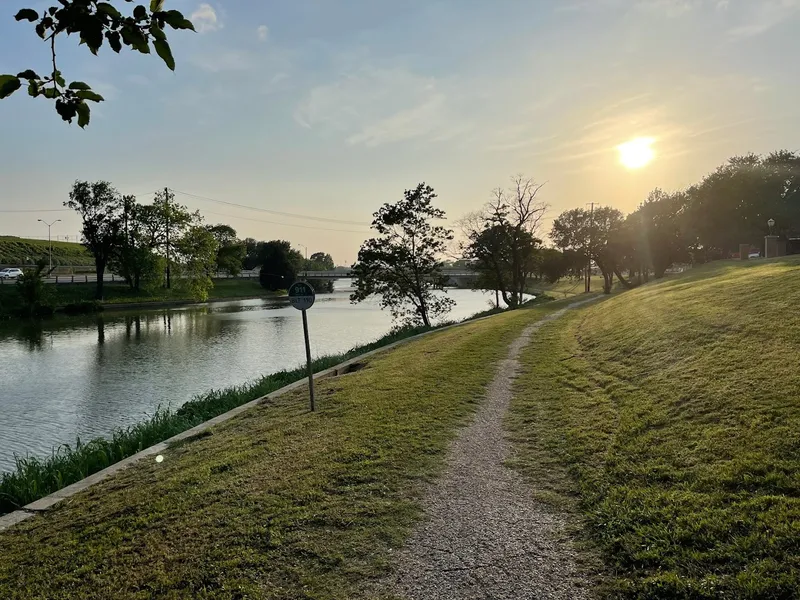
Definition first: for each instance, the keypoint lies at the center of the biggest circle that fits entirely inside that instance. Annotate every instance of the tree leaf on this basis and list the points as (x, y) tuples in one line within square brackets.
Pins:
[(89, 95), (134, 38), (27, 14), (140, 13), (176, 20), (28, 74), (66, 110), (156, 5), (107, 9), (51, 93), (8, 85), (163, 50), (114, 40), (84, 114), (33, 88), (79, 85), (157, 32)]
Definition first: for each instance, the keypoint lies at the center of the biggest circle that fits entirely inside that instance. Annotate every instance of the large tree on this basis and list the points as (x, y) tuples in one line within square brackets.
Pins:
[(230, 249), (196, 255), (403, 265), (279, 264), (595, 235), (135, 259), (502, 242), (320, 261), (100, 208), (93, 22), (164, 224), (732, 205)]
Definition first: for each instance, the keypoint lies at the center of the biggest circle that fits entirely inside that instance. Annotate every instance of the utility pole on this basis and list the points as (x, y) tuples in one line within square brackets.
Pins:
[(588, 281), (167, 213), (50, 243)]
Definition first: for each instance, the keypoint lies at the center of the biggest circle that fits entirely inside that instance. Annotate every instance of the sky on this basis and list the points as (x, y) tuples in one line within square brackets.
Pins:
[(330, 108)]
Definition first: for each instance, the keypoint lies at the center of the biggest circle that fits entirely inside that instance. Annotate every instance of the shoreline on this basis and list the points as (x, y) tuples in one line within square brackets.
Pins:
[(111, 307)]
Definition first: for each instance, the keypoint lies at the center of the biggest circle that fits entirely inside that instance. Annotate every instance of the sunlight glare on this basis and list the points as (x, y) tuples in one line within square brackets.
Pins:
[(636, 153)]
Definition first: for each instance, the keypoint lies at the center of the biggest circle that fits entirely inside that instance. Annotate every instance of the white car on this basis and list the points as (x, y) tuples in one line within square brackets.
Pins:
[(10, 273)]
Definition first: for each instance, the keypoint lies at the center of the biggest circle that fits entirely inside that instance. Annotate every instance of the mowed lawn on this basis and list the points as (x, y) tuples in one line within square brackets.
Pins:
[(278, 502), (670, 417)]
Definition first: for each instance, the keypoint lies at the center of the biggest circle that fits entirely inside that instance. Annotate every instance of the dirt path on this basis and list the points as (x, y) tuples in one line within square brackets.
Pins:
[(484, 536)]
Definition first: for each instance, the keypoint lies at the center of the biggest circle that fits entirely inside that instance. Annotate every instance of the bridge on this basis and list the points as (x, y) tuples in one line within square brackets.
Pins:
[(455, 277)]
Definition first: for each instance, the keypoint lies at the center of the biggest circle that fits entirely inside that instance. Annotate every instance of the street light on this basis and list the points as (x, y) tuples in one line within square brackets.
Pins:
[(771, 224), (49, 242)]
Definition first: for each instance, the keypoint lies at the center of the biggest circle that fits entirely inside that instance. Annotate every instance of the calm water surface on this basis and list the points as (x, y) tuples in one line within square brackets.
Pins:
[(85, 377)]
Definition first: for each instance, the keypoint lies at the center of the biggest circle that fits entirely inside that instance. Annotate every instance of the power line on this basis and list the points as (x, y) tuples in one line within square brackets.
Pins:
[(37, 210), (208, 212), (274, 212)]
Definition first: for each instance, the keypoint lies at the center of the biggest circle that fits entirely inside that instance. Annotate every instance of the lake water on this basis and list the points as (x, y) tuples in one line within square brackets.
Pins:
[(71, 377)]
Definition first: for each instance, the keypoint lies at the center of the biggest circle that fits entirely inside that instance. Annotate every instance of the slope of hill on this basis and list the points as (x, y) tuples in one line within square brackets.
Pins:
[(671, 415), (16, 251)]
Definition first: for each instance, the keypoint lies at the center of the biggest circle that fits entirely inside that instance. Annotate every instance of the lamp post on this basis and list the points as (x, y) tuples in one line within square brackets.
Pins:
[(49, 242), (305, 265)]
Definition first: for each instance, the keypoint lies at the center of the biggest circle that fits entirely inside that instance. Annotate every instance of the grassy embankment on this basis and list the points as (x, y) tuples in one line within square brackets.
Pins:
[(18, 252), (35, 477), (670, 417), (116, 293), (278, 502)]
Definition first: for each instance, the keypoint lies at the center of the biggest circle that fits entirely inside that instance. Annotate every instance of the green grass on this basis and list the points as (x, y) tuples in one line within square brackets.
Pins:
[(277, 502), (16, 251), (669, 417), (567, 287), (35, 477)]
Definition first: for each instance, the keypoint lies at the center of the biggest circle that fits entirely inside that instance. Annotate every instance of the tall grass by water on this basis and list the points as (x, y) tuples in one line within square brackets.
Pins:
[(35, 477)]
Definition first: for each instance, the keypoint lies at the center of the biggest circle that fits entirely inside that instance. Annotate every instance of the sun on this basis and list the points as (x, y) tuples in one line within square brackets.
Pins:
[(636, 153)]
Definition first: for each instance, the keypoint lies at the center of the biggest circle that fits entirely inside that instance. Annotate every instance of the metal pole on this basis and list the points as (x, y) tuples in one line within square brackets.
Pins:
[(50, 253), (308, 361)]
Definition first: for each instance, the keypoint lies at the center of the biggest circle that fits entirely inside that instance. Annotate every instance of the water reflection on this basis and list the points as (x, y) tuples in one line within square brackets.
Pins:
[(84, 376)]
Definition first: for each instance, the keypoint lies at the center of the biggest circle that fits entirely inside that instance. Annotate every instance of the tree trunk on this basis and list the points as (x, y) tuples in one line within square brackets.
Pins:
[(627, 284), (100, 268)]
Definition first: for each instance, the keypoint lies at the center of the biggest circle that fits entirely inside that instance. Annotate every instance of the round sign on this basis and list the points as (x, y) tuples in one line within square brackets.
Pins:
[(301, 295)]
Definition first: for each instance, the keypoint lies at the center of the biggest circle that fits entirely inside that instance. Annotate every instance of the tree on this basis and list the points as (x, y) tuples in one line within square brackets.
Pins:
[(251, 256), (230, 250), (655, 229), (94, 22), (164, 224), (553, 265), (403, 265), (196, 254), (135, 258), (320, 261), (594, 235), (34, 294), (279, 264), (732, 205), (100, 208), (502, 238)]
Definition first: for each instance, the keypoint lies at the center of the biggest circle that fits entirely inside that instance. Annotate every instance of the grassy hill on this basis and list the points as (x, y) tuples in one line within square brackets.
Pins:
[(21, 251), (667, 419), (670, 417)]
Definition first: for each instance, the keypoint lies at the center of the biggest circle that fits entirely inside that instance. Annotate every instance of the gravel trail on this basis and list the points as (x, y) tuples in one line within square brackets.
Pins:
[(483, 535)]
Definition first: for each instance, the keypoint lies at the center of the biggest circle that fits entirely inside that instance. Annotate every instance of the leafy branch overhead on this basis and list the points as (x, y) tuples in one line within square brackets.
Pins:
[(95, 23)]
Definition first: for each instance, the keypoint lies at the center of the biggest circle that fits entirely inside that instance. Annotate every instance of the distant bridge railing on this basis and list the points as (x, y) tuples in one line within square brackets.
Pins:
[(348, 274)]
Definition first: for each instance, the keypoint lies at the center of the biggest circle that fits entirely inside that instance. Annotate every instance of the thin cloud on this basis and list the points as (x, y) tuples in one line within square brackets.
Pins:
[(764, 15), (205, 19), (262, 32)]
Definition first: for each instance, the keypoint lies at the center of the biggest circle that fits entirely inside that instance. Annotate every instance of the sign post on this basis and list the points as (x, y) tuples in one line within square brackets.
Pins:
[(301, 296)]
